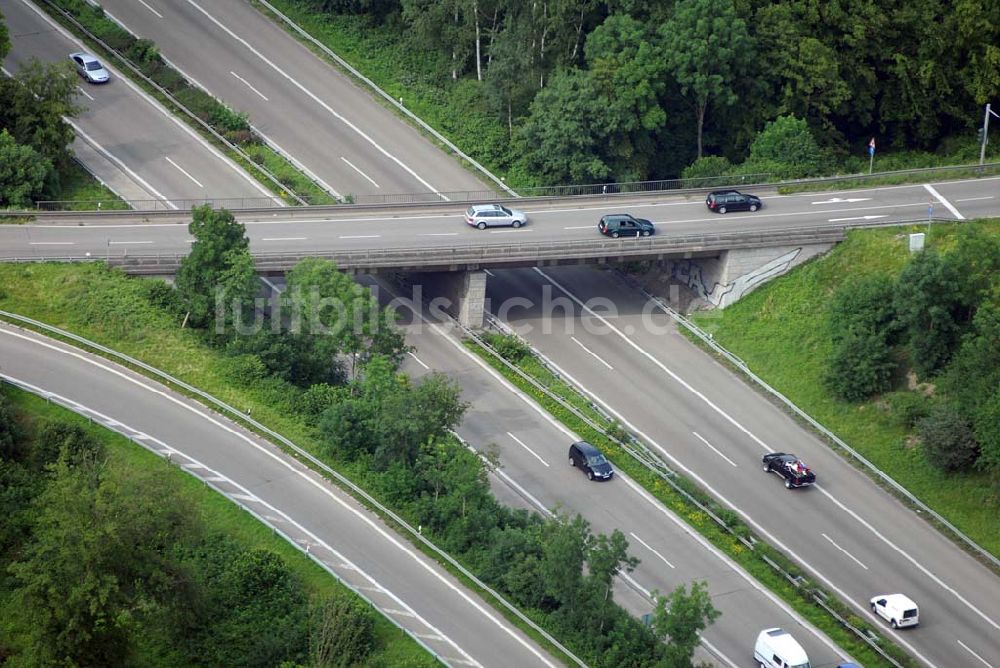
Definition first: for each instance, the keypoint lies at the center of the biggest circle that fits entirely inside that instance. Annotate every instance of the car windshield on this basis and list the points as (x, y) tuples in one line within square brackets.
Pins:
[(596, 460), (506, 210), (94, 65), (802, 665), (907, 614)]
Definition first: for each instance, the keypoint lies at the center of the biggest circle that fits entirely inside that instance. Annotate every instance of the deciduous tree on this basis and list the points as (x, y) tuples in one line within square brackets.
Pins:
[(679, 619), (22, 172)]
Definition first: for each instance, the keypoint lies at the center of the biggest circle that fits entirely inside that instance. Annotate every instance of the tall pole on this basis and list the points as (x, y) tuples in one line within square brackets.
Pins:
[(986, 129)]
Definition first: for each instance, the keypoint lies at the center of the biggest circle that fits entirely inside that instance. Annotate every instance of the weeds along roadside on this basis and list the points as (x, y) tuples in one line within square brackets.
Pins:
[(224, 128), (529, 372)]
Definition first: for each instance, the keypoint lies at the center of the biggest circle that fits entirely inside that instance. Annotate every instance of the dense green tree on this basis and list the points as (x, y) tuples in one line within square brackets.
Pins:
[(564, 138), (70, 442), (12, 445), (788, 144), (332, 315), (987, 432), (218, 272), (567, 543), (863, 303), (511, 77), (947, 439), (4, 38), (98, 557), (977, 29), (35, 104), (342, 633), (628, 68), (706, 45), (607, 556), (679, 620), (861, 365), (22, 172), (927, 299)]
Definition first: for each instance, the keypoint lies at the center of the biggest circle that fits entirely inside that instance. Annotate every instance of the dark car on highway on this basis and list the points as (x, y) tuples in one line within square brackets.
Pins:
[(791, 468), (724, 201), (589, 459), (623, 225)]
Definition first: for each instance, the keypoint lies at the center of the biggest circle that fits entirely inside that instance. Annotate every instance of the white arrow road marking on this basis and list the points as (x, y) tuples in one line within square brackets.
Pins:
[(844, 200), (838, 220)]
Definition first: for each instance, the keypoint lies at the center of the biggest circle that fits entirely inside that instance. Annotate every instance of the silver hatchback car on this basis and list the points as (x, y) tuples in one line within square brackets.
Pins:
[(89, 67), (491, 215)]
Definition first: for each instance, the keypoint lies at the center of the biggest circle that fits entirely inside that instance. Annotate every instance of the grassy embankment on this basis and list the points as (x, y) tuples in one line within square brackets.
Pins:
[(220, 516), (782, 334)]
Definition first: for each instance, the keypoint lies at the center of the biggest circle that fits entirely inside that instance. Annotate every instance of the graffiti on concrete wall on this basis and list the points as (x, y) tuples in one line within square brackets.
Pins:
[(692, 274)]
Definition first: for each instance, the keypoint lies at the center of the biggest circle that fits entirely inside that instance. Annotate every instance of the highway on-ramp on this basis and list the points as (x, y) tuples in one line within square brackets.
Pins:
[(352, 542), (124, 136)]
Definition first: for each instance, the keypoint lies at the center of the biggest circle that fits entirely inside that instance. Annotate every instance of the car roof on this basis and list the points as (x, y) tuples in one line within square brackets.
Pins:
[(725, 192), (789, 648), (899, 600), (587, 448), (83, 56), (485, 207)]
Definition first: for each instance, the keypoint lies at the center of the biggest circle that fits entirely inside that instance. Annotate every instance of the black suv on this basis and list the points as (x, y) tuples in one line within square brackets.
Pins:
[(623, 225), (585, 456), (791, 468), (722, 201)]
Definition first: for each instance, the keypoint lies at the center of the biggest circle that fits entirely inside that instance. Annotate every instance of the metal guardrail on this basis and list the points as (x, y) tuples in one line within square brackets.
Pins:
[(240, 417), (788, 403), (668, 186)]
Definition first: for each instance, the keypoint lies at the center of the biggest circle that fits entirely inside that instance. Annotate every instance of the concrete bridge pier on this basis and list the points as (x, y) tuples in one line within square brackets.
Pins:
[(462, 294)]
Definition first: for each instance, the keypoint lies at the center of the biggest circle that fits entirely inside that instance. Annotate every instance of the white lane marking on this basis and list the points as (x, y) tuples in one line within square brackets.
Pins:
[(317, 100), (714, 449), (122, 166), (701, 481), (190, 241), (948, 205), (295, 161), (974, 199), (856, 560), (969, 650), (847, 200), (123, 243), (355, 168), (419, 361), (51, 243), (266, 281), (284, 239), (511, 231), (184, 172), (439, 234), (838, 220), (684, 528), (522, 444), (488, 272), (85, 93), (592, 353), (649, 547), (248, 85), (360, 236), (318, 484), (146, 5), (579, 227)]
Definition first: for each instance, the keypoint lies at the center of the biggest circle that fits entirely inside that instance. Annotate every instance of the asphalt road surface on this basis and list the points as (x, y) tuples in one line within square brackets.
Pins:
[(854, 538), (414, 591), (535, 474), (443, 226), (334, 128), (131, 142)]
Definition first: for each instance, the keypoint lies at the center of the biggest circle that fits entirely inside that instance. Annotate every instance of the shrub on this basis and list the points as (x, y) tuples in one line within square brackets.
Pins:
[(317, 399), (861, 365), (245, 370), (700, 172), (509, 347), (947, 439), (342, 634), (907, 408), (11, 445)]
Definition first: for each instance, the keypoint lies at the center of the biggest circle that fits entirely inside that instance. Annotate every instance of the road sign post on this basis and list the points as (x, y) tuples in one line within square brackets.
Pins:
[(986, 130)]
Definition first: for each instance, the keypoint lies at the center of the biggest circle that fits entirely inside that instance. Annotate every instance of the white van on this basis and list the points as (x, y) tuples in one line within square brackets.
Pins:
[(897, 609), (776, 648)]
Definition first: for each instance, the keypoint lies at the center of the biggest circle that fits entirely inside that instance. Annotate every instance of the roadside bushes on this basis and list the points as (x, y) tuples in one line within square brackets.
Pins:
[(947, 439), (862, 326)]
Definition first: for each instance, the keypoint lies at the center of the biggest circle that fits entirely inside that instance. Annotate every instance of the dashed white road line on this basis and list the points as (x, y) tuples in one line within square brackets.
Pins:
[(85, 93), (419, 361), (513, 231), (578, 227), (284, 238), (184, 172), (439, 234), (969, 650), (948, 205), (360, 236), (523, 445), (355, 168), (974, 199), (650, 548), (856, 560), (249, 85), (714, 449), (592, 353), (122, 166), (51, 243), (127, 243), (146, 5)]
